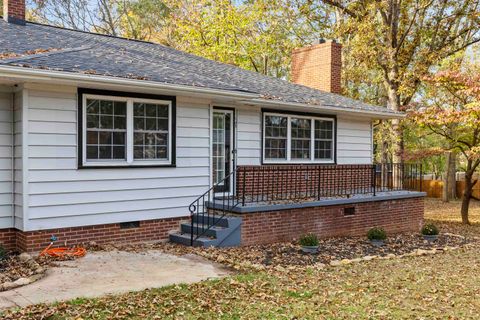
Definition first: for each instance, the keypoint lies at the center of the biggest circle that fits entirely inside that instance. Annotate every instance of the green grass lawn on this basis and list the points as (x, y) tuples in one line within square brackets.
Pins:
[(442, 286)]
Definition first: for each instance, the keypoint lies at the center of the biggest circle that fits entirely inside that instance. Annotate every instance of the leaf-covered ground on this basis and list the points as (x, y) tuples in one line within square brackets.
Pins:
[(447, 217), (441, 286)]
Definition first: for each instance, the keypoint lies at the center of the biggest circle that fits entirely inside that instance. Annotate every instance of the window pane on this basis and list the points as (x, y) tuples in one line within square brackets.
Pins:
[(92, 137), (105, 152), (106, 107), (150, 131), (139, 109), (162, 111), (106, 130), (151, 124), (92, 121), (151, 110), (105, 137), (138, 152), (119, 138), (92, 152), (106, 122), (139, 123), (93, 106), (323, 139), (120, 108), (118, 152), (275, 129), (119, 123), (163, 124)]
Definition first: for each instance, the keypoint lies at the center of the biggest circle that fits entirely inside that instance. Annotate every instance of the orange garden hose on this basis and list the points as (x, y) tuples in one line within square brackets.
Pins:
[(76, 252)]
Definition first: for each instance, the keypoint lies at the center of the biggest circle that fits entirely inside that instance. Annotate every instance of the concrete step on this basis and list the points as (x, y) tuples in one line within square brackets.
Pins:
[(204, 219), (185, 239), (209, 232), (227, 233)]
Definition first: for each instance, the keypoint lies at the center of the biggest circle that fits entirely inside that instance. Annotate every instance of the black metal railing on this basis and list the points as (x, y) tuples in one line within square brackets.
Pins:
[(398, 176), (208, 209), (302, 183), (316, 182)]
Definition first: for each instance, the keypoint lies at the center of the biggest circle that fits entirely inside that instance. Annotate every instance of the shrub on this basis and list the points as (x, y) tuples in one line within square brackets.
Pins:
[(309, 239), (430, 229), (3, 252), (376, 233)]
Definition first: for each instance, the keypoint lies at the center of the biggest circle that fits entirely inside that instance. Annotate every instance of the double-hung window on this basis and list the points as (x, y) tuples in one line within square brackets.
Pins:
[(298, 139), (126, 131)]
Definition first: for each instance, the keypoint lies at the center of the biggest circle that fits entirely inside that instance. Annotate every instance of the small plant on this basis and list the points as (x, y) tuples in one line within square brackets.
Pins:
[(309, 240), (430, 229), (376, 233), (3, 252)]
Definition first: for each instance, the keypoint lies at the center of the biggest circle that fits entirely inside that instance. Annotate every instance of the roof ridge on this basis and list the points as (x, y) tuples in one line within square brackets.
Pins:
[(90, 32)]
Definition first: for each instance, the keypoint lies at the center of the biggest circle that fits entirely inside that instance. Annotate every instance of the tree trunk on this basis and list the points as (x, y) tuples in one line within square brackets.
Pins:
[(449, 180), (467, 193), (397, 143)]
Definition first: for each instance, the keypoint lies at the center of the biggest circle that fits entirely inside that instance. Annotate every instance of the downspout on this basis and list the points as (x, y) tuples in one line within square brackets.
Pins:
[(13, 159)]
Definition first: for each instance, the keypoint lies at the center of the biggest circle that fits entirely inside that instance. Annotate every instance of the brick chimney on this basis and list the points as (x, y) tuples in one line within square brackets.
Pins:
[(14, 11), (319, 66)]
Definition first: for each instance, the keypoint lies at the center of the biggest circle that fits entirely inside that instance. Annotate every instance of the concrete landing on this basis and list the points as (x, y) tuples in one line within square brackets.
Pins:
[(101, 273)]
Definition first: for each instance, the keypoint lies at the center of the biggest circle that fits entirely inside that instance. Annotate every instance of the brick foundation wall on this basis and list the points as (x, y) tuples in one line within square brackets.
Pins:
[(149, 230), (8, 238), (269, 181), (328, 221)]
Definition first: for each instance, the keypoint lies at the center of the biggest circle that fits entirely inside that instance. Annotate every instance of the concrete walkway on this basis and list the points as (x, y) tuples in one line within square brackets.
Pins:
[(101, 273)]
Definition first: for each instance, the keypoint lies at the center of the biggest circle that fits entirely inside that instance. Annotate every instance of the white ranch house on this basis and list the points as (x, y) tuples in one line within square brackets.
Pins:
[(110, 139)]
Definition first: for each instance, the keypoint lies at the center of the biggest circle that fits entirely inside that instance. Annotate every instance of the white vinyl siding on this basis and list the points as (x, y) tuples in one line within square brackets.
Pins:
[(249, 144), (354, 141), (6, 173), (60, 195), (354, 138)]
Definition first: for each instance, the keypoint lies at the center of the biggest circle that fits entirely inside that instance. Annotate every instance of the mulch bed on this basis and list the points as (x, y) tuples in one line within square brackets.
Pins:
[(290, 254)]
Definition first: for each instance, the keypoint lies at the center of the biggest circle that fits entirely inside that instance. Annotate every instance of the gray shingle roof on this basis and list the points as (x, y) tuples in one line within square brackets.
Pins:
[(82, 52)]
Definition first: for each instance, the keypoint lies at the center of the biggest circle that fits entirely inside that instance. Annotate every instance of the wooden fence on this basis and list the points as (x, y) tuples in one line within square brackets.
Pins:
[(434, 188)]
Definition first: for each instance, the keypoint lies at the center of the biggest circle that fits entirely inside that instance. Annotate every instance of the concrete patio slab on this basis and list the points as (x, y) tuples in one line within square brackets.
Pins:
[(101, 273)]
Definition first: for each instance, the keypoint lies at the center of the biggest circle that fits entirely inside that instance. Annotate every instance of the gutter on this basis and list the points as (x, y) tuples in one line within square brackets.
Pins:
[(48, 75), (320, 108), (245, 97)]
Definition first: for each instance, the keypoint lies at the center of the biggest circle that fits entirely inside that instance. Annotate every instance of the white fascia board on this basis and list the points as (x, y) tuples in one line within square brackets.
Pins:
[(303, 107), (80, 79), (27, 74)]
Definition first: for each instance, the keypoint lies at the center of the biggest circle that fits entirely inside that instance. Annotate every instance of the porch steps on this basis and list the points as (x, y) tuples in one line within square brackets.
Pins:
[(225, 233)]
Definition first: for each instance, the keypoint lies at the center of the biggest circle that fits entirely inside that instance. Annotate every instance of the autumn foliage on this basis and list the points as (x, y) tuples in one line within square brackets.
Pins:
[(453, 114)]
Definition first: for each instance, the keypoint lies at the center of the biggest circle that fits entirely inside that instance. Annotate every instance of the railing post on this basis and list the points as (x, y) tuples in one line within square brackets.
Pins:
[(374, 177), (243, 186), (191, 226), (421, 177), (318, 182)]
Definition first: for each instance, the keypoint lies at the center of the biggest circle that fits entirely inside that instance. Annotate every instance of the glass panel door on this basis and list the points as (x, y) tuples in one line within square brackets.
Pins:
[(221, 146)]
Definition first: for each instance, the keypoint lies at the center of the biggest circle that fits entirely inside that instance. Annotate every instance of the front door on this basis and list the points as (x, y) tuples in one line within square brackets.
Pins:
[(222, 146)]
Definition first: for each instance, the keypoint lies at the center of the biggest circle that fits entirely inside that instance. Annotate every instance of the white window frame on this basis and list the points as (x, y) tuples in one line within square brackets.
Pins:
[(289, 140), (130, 161)]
